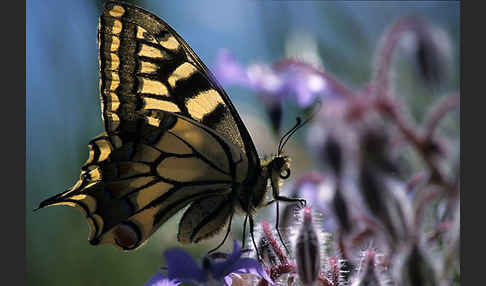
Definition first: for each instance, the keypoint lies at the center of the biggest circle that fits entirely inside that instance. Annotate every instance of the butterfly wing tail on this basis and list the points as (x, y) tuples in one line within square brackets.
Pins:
[(52, 200)]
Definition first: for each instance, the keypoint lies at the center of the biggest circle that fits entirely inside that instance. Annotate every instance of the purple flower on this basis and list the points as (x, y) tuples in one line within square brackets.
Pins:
[(288, 78), (302, 81), (229, 71), (273, 84), (307, 186), (182, 268), (318, 190), (160, 279)]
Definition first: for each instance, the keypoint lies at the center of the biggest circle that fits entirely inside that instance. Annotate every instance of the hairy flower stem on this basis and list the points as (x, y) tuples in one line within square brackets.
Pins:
[(334, 85), (438, 112), (323, 281), (422, 144), (267, 230), (277, 271), (386, 102), (386, 48)]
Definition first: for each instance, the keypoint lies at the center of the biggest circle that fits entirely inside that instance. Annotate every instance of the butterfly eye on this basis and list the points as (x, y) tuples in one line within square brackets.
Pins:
[(285, 173)]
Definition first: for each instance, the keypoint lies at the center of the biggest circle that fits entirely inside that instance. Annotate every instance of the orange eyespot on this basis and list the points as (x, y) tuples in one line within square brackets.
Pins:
[(126, 236)]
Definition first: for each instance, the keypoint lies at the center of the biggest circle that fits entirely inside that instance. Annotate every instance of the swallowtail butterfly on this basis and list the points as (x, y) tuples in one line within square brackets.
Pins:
[(172, 140)]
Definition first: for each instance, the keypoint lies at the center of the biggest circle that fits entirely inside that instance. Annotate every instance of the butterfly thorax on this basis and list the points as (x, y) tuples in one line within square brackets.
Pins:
[(274, 170)]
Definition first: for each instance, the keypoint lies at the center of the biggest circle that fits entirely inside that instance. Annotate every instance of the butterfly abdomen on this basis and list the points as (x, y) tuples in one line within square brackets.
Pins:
[(252, 193)]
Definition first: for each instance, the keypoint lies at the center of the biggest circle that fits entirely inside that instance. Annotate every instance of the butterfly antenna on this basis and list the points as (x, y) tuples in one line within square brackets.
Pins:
[(295, 130), (297, 126), (280, 145)]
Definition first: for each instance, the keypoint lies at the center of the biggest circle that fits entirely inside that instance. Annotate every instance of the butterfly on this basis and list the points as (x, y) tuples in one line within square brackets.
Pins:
[(172, 141)]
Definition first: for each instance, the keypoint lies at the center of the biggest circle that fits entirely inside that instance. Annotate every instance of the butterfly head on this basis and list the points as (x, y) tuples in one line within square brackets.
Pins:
[(280, 167)]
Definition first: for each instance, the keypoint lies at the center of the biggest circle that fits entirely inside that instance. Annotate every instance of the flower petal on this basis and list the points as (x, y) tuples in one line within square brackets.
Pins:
[(181, 266), (160, 279), (229, 71), (220, 269), (227, 280), (236, 252), (249, 265)]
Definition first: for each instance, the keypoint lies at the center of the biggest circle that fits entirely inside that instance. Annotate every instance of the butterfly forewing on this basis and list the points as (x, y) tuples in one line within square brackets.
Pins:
[(146, 65)]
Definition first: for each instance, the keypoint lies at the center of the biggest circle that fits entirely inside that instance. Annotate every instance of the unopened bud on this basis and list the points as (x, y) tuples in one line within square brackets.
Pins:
[(416, 269), (374, 194), (267, 252), (375, 146), (334, 273), (274, 110), (341, 210), (307, 251), (333, 155), (368, 273), (432, 55)]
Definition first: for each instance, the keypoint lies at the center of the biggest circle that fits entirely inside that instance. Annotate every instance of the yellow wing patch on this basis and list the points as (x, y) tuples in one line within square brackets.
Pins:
[(203, 103), (112, 103), (117, 11), (117, 26), (114, 61), (113, 81), (152, 87), (115, 44), (153, 121), (142, 34), (181, 72), (150, 52), (158, 104), (148, 67), (170, 43)]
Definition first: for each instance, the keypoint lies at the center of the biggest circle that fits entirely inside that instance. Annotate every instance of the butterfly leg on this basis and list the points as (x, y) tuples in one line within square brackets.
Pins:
[(278, 230), (270, 202), (243, 240), (252, 227), (276, 198), (301, 201)]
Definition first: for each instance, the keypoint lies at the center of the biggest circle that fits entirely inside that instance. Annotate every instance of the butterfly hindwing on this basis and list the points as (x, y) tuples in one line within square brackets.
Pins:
[(145, 65), (205, 217), (130, 188)]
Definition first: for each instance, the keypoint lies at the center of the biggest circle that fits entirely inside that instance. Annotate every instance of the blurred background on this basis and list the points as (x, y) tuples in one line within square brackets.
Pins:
[(63, 111)]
